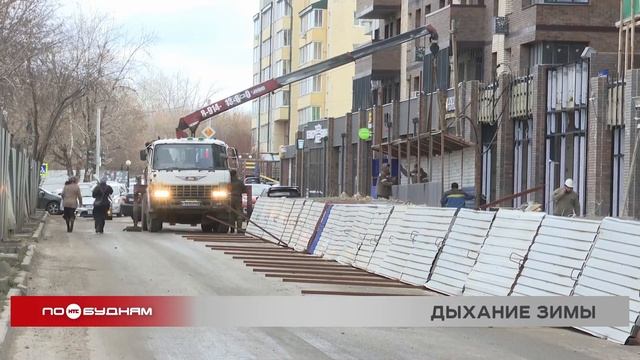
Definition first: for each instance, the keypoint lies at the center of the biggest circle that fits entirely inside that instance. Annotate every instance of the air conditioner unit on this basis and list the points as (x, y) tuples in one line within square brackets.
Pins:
[(415, 94), (501, 25)]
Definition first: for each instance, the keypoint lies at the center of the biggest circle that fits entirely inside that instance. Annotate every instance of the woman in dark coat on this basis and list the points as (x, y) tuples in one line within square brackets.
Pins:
[(102, 195)]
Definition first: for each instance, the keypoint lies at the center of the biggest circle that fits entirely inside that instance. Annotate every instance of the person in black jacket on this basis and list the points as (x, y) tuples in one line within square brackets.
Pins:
[(102, 195)]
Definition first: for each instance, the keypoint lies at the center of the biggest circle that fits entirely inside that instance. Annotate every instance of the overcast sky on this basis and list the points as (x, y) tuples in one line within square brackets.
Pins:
[(208, 40)]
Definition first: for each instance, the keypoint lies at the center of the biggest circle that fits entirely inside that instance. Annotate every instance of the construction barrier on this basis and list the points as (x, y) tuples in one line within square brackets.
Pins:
[(415, 236), (557, 256), (306, 228), (19, 181), (459, 254), (613, 268), (503, 253), (468, 252)]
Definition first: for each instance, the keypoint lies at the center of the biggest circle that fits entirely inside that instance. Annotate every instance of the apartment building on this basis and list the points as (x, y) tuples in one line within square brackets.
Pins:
[(492, 37), (292, 34)]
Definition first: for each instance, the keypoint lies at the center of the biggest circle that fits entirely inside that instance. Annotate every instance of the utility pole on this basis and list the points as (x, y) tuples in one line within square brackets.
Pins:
[(98, 157)]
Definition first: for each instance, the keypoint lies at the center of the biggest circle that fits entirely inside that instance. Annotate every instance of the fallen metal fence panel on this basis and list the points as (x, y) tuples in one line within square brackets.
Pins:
[(415, 240), (294, 218), (382, 247), (503, 253), (613, 269), (557, 256), (459, 254), (373, 228)]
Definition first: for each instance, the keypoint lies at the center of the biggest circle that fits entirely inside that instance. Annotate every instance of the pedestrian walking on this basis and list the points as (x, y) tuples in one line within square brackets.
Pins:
[(566, 201), (237, 189), (385, 183), (455, 198), (102, 195), (71, 199)]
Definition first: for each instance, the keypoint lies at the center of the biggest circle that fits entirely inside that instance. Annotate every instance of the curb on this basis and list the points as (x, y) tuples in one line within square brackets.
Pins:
[(5, 316), (39, 233), (26, 262)]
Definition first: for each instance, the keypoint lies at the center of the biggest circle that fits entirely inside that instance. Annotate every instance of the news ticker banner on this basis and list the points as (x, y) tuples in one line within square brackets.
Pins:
[(318, 311)]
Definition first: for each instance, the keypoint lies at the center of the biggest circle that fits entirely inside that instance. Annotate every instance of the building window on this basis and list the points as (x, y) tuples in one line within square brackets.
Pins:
[(256, 54), (309, 85), (264, 103), (310, 52), (254, 108), (523, 159), (282, 67), (283, 38), (256, 28), (427, 10), (554, 53), (266, 47), (256, 79), (617, 203), (310, 20), (266, 73), (281, 98), (266, 19), (418, 18), (282, 9), (310, 113)]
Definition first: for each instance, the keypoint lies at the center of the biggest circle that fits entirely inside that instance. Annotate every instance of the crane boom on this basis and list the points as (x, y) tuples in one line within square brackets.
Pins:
[(191, 121)]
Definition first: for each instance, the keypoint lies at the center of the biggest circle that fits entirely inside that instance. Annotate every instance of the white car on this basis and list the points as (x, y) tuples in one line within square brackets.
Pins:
[(86, 189), (118, 197)]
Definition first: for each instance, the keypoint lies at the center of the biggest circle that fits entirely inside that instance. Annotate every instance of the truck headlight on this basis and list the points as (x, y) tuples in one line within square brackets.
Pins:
[(161, 194), (219, 194)]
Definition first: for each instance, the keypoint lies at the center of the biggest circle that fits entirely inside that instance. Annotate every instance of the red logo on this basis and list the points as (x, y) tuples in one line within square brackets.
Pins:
[(99, 311)]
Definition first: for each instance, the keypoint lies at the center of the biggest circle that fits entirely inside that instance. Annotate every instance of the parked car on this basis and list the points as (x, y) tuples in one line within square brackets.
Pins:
[(86, 210), (49, 201), (119, 197), (283, 191), (256, 191)]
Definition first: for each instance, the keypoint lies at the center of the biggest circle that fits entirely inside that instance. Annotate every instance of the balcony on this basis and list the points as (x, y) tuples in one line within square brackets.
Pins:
[(380, 65), (377, 9), (473, 22)]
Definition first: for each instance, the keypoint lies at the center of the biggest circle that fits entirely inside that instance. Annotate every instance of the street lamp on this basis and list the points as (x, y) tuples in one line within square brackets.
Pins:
[(128, 164)]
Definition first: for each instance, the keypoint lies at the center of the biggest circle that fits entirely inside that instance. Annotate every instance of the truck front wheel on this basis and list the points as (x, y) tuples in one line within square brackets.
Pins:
[(207, 228), (153, 224)]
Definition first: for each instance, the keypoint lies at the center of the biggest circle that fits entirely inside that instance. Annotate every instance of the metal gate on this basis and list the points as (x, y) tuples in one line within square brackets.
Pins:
[(566, 134)]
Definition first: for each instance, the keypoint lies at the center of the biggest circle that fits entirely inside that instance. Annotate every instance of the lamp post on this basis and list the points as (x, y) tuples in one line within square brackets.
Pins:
[(128, 164)]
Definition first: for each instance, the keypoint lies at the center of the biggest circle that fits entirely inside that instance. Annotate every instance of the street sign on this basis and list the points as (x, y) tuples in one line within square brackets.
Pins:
[(44, 169), (208, 132), (364, 134)]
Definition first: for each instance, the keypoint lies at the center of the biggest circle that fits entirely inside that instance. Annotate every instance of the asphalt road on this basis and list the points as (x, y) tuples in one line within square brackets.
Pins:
[(126, 263)]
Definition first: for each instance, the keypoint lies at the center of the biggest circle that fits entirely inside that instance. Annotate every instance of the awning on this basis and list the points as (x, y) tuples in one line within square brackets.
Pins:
[(451, 143), (321, 4)]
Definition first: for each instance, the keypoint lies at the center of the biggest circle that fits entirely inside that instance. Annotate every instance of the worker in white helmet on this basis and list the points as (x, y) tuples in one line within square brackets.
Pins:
[(566, 201)]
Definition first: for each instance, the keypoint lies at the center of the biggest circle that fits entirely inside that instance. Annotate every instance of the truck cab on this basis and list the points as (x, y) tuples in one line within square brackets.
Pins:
[(186, 180)]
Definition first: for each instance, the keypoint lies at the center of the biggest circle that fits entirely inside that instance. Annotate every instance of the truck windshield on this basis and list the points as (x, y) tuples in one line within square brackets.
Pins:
[(189, 157)]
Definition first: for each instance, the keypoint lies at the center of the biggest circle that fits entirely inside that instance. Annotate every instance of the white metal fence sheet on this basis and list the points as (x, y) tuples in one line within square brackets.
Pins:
[(312, 211), (460, 251), (295, 217), (382, 246), (502, 253), (415, 237), (613, 268), (557, 256)]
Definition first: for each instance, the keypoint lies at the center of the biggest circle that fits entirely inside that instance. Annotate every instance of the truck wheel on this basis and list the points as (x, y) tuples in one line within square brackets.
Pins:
[(206, 228), (222, 229), (143, 215), (153, 224)]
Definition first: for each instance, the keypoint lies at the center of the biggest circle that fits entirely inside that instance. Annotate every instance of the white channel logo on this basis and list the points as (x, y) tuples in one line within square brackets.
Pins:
[(73, 311)]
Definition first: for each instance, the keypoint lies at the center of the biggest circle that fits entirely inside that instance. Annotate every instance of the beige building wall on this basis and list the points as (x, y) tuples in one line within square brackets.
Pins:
[(343, 34)]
